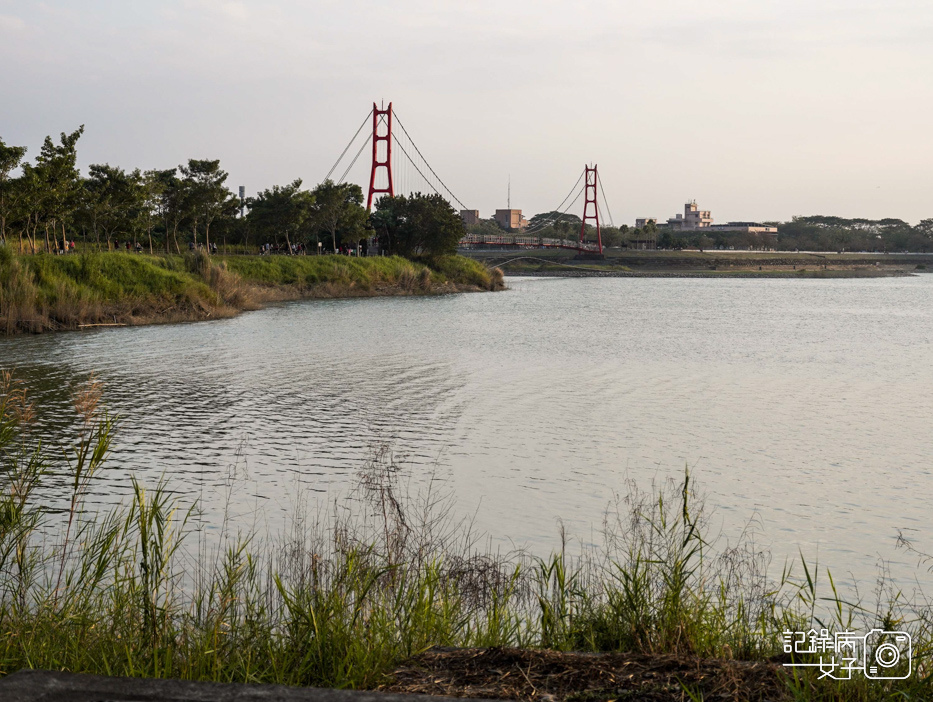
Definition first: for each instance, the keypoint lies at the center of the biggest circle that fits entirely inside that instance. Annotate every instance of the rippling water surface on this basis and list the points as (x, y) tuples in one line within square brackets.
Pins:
[(806, 405)]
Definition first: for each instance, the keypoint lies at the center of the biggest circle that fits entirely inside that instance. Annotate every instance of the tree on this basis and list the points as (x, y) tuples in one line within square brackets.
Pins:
[(665, 239), (484, 227), (153, 190), (10, 158), (173, 203), (337, 210), (116, 201), (207, 192), (280, 210), (547, 219), (227, 223), (650, 233), (611, 236), (417, 225), (59, 179)]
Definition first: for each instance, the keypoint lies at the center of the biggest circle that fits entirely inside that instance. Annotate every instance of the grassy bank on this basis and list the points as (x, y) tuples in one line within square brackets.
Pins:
[(44, 292), (358, 598)]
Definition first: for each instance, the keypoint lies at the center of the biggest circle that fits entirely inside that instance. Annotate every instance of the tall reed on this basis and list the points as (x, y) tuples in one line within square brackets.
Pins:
[(342, 597)]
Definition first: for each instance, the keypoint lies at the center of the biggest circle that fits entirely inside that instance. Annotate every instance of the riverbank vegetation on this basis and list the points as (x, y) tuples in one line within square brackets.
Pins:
[(812, 233), (359, 598), (47, 204), (46, 292), (133, 247)]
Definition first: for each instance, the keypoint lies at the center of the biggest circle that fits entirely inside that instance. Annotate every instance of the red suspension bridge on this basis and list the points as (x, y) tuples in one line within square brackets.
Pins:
[(399, 167)]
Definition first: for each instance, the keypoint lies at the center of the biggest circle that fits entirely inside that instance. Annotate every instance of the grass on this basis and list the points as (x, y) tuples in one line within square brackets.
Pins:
[(341, 600), (45, 292)]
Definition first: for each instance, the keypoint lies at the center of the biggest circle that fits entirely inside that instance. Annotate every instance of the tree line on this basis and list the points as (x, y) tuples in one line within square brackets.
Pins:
[(810, 233), (50, 202), (814, 233)]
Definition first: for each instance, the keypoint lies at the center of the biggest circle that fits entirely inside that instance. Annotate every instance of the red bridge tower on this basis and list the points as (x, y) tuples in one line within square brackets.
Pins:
[(387, 162), (590, 182)]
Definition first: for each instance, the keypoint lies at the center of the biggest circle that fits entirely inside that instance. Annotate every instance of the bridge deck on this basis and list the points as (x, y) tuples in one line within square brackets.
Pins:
[(530, 242)]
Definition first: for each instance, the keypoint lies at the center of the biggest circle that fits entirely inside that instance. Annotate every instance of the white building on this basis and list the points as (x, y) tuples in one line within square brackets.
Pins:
[(692, 218)]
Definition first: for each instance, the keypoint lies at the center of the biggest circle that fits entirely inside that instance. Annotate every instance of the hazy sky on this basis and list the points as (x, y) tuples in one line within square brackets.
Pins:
[(759, 109)]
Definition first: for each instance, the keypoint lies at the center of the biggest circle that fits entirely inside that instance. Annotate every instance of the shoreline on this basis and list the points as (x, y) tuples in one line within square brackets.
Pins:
[(801, 274)]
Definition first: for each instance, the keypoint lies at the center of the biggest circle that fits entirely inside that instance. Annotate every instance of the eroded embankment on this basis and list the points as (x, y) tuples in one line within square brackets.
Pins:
[(48, 293)]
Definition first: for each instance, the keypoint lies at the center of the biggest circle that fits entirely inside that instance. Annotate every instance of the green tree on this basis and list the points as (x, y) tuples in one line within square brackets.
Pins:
[(417, 225), (280, 210), (25, 198), (666, 239), (484, 227), (173, 206), (650, 233), (228, 223), (57, 175), (207, 194), (611, 236), (153, 190), (337, 211), (548, 219), (116, 201), (10, 158), (922, 239)]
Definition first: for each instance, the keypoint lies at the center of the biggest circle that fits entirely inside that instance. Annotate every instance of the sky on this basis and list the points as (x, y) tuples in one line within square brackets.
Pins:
[(758, 110)]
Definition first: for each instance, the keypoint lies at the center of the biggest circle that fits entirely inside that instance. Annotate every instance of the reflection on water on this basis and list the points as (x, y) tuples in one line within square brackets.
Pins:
[(806, 403)]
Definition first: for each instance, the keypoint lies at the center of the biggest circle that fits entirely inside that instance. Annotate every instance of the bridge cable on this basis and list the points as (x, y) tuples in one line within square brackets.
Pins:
[(548, 223), (558, 218), (427, 164), (599, 214), (349, 144), (605, 201), (352, 163), (427, 182)]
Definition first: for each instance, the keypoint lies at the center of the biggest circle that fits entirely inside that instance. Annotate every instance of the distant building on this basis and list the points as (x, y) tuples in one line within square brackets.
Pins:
[(642, 222), (510, 219), (469, 216), (691, 219)]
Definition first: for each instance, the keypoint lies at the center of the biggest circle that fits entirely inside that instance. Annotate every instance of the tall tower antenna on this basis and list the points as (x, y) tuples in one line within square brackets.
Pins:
[(509, 198), (381, 118), (590, 183)]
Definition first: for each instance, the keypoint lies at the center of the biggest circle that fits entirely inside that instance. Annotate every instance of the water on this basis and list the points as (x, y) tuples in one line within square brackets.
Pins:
[(803, 405)]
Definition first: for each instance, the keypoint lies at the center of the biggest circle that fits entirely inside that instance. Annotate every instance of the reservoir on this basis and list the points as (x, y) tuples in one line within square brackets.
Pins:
[(803, 408)]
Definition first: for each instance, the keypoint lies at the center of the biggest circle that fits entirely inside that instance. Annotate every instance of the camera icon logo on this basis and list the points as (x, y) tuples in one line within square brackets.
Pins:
[(878, 655), (884, 651)]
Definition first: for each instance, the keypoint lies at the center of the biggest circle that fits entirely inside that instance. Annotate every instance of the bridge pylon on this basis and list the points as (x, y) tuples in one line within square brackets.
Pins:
[(590, 183), (379, 138)]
